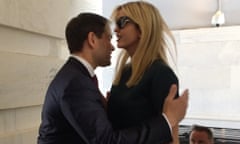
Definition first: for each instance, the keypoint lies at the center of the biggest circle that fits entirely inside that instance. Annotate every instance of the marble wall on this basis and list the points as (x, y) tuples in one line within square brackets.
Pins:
[(32, 50), (46, 17)]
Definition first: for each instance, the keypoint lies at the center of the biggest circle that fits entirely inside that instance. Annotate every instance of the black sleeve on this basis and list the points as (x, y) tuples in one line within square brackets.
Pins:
[(163, 78)]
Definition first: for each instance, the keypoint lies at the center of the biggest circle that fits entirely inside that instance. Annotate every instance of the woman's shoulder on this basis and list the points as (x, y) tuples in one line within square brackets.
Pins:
[(162, 70), (160, 65)]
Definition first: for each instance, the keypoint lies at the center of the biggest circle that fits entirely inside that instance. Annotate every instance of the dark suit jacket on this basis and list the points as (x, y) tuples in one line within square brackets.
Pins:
[(74, 114)]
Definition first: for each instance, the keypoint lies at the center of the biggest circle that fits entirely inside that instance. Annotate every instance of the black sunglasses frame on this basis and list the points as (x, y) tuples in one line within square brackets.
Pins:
[(122, 21)]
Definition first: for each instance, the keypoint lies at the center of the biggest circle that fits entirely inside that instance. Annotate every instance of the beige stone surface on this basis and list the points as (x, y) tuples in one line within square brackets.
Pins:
[(19, 41), (18, 119), (25, 78), (47, 17), (28, 136)]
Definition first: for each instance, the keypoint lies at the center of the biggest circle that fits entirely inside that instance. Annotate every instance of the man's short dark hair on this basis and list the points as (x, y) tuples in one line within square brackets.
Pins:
[(78, 28), (203, 129)]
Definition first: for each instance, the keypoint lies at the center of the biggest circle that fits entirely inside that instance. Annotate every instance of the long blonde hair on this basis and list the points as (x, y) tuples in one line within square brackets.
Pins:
[(152, 44)]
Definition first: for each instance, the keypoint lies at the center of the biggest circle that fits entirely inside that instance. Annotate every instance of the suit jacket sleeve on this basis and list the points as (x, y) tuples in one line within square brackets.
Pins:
[(81, 104)]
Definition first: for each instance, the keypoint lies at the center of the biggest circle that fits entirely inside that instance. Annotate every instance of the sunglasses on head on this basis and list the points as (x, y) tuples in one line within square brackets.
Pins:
[(122, 21)]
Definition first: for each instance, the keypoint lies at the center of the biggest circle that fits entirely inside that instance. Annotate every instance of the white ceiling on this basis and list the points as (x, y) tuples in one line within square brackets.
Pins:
[(188, 14)]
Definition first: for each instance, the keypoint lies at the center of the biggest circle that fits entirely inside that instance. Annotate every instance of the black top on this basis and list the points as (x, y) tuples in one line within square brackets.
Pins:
[(128, 107)]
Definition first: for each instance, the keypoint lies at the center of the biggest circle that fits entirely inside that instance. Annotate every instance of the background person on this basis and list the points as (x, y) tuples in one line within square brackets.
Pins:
[(201, 135)]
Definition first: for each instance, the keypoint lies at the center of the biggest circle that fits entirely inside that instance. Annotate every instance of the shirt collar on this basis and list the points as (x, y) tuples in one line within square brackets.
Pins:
[(86, 64)]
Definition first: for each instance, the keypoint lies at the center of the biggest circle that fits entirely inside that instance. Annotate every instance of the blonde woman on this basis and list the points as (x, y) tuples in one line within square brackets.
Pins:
[(143, 77)]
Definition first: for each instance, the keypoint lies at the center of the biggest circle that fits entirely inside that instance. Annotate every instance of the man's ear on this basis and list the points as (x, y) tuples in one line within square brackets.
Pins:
[(91, 39)]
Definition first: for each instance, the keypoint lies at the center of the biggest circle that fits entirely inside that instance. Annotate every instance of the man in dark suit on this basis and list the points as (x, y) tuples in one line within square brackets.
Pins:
[(74, 111)]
